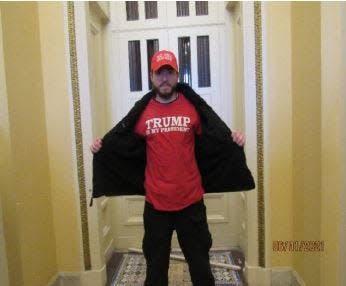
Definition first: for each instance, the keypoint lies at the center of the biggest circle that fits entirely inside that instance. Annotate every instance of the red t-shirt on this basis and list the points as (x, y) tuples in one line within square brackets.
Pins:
[(172, 179)]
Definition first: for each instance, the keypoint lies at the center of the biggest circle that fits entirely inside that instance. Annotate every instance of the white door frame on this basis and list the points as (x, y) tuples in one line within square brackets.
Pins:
[(250, 127)]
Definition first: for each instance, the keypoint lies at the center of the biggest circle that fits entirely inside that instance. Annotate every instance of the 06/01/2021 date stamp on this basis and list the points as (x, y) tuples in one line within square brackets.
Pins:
[(298, 245)]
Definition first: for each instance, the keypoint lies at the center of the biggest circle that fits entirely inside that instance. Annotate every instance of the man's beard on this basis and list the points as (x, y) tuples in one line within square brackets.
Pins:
[(164, 95)]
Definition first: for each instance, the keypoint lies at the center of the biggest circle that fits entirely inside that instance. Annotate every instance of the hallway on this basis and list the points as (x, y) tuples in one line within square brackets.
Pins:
[(279, 77)]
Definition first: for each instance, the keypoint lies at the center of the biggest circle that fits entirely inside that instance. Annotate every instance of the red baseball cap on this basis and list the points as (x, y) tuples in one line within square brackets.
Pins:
[(163, 58)]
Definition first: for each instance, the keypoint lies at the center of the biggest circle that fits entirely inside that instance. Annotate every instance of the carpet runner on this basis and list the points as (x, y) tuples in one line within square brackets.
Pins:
[(131, 271)]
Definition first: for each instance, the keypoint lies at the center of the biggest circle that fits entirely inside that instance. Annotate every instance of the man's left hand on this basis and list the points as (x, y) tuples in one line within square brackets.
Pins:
[(238, 138)]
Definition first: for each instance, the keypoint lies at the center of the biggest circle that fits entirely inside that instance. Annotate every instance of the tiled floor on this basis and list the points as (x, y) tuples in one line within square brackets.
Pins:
[(114, 262)]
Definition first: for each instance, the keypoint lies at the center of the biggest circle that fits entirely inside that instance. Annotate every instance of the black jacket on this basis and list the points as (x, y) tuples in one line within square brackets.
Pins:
[(118, 168)]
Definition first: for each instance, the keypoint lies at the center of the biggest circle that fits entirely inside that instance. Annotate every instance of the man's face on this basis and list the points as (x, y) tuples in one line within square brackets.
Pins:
[(164, 81)]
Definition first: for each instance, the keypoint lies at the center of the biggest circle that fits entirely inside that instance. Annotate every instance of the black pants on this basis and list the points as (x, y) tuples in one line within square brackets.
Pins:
[(193, 236)]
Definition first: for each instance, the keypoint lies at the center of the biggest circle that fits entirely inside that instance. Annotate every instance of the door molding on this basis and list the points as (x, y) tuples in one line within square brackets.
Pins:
[(259, 126)]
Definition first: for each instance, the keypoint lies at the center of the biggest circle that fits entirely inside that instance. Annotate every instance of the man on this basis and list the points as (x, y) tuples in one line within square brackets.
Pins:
[(172, 148)]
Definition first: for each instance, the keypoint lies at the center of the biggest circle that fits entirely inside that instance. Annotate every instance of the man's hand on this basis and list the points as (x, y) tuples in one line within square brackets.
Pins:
[(238, 138), (96, 145)]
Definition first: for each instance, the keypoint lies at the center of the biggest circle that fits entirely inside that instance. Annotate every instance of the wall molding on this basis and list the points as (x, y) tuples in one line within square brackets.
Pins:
[(260, 143)]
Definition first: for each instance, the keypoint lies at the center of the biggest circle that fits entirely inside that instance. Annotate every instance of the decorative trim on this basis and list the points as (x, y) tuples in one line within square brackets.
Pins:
[(260, 145), (78, 134)]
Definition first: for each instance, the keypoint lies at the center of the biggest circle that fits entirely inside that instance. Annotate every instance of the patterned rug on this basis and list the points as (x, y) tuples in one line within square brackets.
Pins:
[(131, 271)]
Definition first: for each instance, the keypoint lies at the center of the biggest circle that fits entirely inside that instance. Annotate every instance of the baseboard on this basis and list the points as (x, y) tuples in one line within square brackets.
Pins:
[(298, 279), (282, 276), (53, 280), (94, 277), (274, 276), (86, 278), (66, 279), (257, 276)]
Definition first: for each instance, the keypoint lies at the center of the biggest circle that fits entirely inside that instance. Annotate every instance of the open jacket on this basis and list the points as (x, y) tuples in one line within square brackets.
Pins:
[(118, 168)]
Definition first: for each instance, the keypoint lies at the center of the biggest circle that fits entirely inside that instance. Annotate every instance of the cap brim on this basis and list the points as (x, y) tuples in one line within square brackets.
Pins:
[(163, 65)]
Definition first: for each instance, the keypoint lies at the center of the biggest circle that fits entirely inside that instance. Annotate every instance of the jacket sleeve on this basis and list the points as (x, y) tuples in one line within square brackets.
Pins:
[(118, 168)]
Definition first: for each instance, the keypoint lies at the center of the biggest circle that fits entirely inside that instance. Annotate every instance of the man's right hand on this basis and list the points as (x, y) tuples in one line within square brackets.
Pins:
[(96, 145)]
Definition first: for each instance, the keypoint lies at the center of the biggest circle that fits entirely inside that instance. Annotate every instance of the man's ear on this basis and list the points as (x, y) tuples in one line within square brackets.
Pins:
[(151, 75)]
